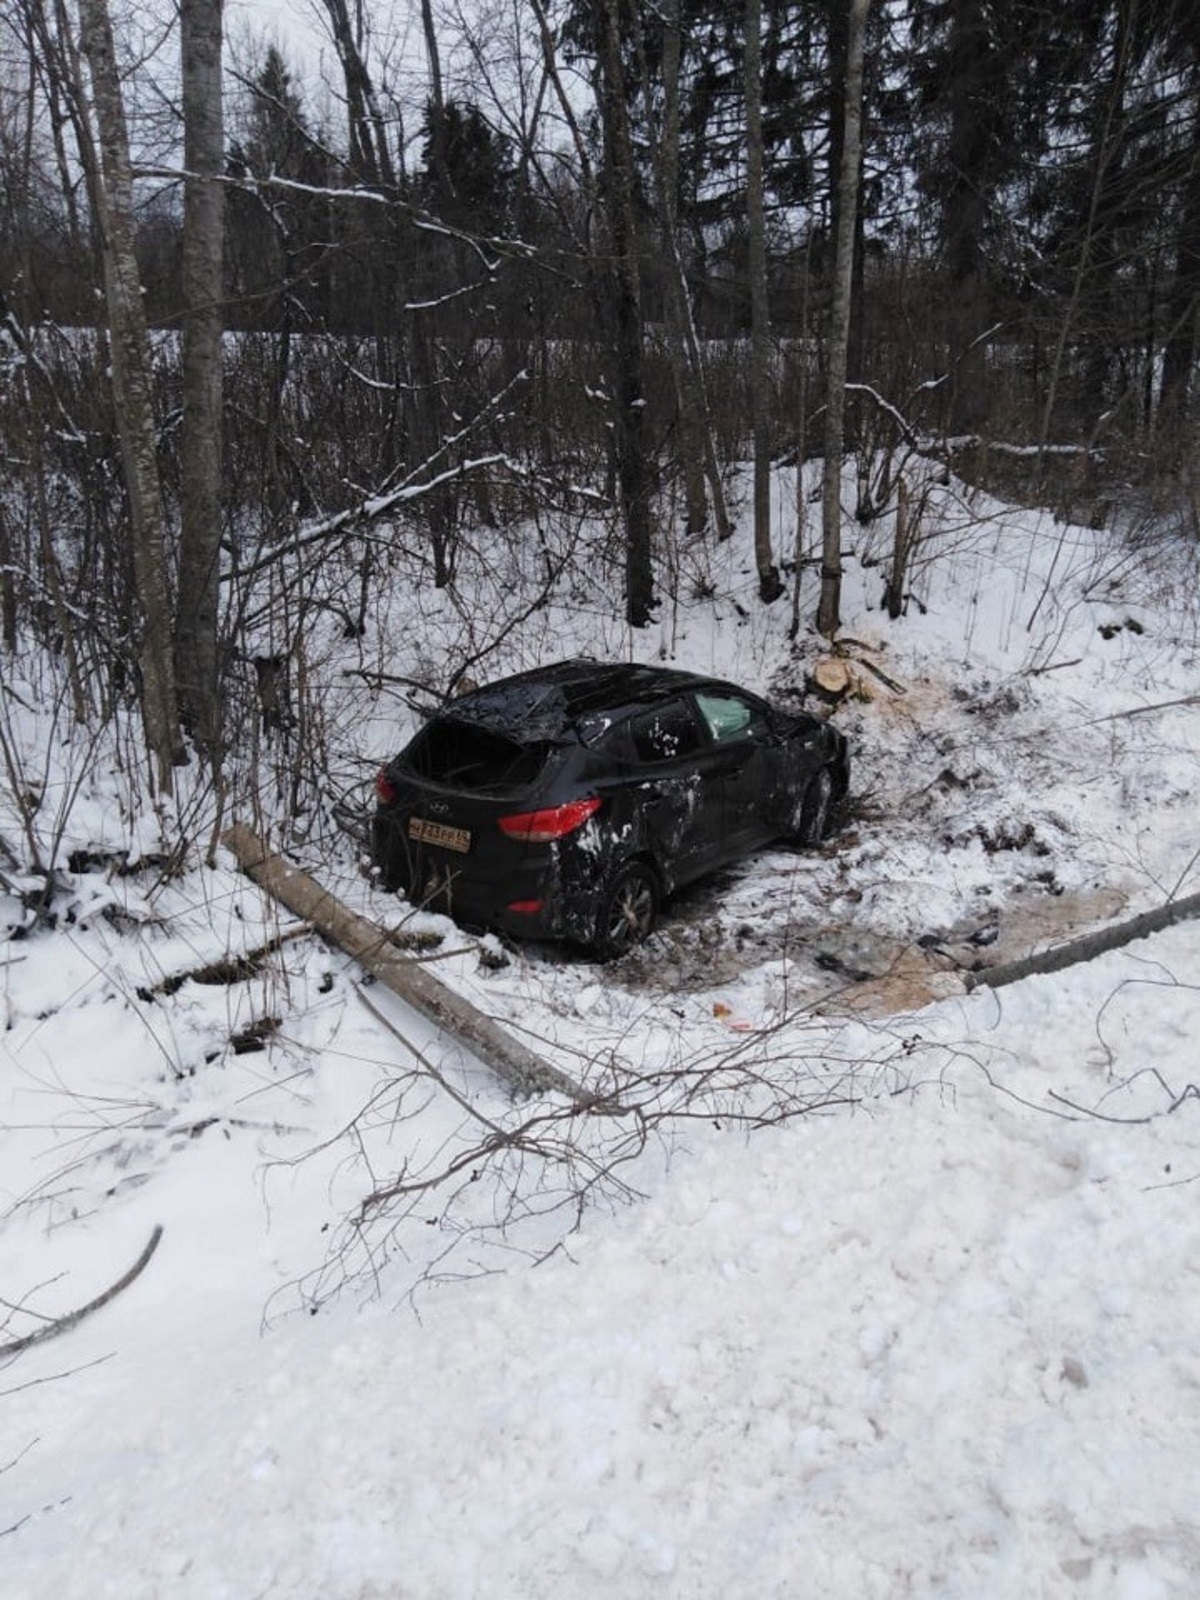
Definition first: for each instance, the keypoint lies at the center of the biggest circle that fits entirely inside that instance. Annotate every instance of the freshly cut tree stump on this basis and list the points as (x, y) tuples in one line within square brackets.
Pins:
[(372, 949), (830, 678), (836, 678)]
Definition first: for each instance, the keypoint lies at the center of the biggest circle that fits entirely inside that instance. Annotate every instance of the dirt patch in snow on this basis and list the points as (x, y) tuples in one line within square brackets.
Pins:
[(916, 975), (840, 969)]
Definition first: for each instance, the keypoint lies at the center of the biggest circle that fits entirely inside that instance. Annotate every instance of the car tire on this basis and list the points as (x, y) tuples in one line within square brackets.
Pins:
[(813, 817), (628, 911)]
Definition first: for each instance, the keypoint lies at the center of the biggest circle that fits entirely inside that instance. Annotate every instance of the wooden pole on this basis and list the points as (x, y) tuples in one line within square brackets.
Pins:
[(370, 947), (1088, 947)]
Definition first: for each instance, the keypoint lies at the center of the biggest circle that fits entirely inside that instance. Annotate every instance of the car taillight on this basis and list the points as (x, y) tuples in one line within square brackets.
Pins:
[(385, 789), (542, 827)]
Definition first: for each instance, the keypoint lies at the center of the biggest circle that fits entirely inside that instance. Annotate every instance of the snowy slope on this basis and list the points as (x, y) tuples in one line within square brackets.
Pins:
[(935, 1336)]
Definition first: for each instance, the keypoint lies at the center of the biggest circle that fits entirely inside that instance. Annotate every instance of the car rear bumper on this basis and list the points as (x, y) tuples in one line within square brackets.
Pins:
[(523, 896)]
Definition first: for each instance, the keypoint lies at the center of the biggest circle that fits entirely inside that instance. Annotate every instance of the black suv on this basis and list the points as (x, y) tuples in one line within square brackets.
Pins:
[(567, 802)]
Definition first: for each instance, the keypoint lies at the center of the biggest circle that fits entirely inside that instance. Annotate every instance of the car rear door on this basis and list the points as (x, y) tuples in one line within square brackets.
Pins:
[(676, 789)]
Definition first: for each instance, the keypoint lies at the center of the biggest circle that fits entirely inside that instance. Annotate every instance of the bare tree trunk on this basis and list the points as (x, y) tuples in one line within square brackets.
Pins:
[(131, 389), (196, 625), (769, 586), (1105, 155), (437, 98), (665, 155), (829, 609), (633, 473), (38, 37), (9, 567), (697, 410), (63, 68), (903, 541), (801, 528), (697, 452), (1179, 350), (370, 152)]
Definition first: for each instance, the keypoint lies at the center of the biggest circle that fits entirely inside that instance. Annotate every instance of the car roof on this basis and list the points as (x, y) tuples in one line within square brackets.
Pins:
[(579, 695)]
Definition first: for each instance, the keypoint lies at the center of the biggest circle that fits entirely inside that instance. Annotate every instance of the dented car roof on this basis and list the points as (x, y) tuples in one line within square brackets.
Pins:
[(551, 702)]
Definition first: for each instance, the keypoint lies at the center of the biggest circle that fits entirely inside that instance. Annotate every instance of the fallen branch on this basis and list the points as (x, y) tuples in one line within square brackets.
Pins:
[(887, 681), (1088, 947), (65, 1323), (1141, 711), (1055, 666)]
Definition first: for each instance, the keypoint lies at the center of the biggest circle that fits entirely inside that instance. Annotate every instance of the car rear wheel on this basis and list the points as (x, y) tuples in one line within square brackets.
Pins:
[(628, 911), (814, 810)]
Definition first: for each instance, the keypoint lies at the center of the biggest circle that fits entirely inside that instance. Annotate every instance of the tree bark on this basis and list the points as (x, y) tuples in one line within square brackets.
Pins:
[(839, 38), (1104, 157), (130, 347), (197, 662), (697, 451), (370, 153), (666, 176), (437, 99), (902, 543), (633, 456), (829, 609), (769, 586)]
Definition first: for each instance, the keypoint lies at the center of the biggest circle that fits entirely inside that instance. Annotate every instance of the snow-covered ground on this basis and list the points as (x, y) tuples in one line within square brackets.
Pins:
[(875, 1294)]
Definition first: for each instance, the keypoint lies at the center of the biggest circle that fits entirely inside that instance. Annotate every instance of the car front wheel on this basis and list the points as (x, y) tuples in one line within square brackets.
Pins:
[(814, 810), (628, 911)]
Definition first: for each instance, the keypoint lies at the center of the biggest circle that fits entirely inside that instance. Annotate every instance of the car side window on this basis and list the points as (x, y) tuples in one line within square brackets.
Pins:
[(728, 716), (667, 732)]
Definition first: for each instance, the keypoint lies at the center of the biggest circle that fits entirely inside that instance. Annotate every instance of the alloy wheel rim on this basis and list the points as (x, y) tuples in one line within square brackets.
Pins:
[(631, 913)]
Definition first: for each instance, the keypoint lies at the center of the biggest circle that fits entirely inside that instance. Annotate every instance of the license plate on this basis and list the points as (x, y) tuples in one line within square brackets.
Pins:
[(439, 833)]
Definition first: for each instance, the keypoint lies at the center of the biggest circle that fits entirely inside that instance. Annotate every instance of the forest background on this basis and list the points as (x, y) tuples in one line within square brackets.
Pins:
[(520, 263)]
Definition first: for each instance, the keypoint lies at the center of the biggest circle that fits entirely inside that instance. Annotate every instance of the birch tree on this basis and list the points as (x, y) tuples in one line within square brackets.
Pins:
[(769, 586)]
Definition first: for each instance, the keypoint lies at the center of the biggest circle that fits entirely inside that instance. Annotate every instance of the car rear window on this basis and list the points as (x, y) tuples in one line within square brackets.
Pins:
[(463, 756), (666, 732)]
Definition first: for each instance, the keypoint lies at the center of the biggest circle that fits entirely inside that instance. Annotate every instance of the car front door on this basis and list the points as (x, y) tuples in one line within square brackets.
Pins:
[(747, 762)]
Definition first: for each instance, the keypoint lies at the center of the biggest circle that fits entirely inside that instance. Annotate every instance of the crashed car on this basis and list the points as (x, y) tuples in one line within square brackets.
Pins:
[(570, 801)]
